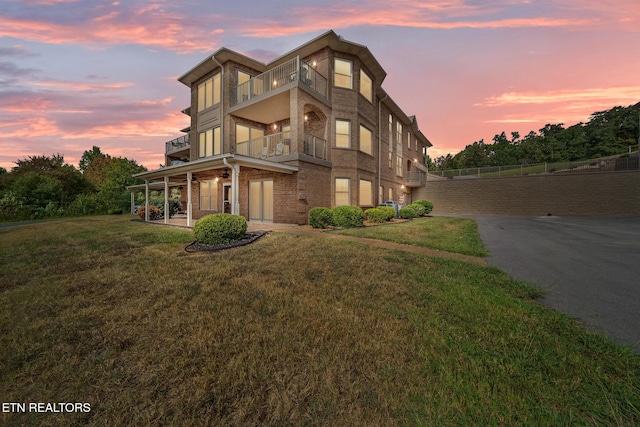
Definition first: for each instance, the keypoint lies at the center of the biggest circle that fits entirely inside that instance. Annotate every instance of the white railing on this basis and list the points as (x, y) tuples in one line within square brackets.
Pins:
[(177, 144), (578, 166), (274, 145), (279, 144), (291, 71)]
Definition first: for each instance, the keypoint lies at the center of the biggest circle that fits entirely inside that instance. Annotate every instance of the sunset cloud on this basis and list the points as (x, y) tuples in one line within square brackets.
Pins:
[(617, 95), (78, 73), (149, 26)]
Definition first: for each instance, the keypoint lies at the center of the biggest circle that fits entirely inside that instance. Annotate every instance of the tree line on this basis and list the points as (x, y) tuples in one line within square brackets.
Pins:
[(607, 133), (47, 187)]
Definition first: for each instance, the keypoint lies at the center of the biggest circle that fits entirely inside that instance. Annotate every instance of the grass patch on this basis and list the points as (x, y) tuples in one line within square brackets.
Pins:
[(458, 235), (291, 330)]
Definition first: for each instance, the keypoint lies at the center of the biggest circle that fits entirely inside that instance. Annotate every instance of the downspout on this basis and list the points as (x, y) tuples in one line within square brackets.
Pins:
[(380, 145)]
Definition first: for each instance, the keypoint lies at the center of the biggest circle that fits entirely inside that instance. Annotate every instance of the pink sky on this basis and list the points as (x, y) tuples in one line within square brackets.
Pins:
[(74, 74)]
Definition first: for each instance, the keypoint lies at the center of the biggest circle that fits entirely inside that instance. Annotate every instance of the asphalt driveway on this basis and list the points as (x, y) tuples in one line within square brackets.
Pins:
[(589, 267)]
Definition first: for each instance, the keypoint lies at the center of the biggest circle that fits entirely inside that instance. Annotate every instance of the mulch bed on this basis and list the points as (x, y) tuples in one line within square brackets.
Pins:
[(249, 238)]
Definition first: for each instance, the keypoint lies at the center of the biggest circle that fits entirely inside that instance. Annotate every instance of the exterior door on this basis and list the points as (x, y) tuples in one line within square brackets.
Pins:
[(226, 198), (261, 200)]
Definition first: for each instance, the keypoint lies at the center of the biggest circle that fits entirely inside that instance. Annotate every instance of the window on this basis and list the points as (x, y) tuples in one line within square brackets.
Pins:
[(342, 192), (366, 194), (246, 133), (399, 165), (366, 86), (399, 148), (366, 140), (380, 194), (390, 141), (343, 73), (343, 134), (243, 93), (390, 194), (209, 93), (409, 140), (209, 143), (209, 195)]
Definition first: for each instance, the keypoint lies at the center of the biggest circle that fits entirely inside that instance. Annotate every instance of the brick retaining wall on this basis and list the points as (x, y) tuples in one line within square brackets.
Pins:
[(567, 194)]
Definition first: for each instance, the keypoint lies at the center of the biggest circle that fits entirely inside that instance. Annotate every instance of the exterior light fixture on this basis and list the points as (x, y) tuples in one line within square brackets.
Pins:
[(306, 117)]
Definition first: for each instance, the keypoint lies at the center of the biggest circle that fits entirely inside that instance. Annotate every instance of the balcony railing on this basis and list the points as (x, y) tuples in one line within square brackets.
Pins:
[(291, 71), (315, 146), (279, 144), (416, 178), (177, 144)]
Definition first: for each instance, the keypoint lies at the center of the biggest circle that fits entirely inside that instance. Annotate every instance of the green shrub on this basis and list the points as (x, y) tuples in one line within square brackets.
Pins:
[(428, 206), (154, 212), (407, 213), (390, 211), (87, 204), (220, 228), (347, 216), (420, 210), (377, 215), (115, 212), (320, 217)]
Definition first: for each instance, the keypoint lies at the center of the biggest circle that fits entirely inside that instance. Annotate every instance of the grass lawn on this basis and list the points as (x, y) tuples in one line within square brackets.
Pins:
[(459, 235), (291, 330)]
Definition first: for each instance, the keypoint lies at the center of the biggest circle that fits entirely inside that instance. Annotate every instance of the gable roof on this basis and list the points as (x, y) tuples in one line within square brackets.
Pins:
[(329, 39)]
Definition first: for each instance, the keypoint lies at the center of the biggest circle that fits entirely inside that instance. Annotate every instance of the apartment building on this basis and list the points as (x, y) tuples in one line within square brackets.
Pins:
[(271, 141)]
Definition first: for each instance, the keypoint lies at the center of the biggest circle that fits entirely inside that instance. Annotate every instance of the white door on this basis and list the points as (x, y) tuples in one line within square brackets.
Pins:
[(261, 200)]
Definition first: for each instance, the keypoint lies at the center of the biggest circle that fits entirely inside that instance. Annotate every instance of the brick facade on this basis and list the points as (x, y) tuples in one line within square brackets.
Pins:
[(563, 195), (287, 99)]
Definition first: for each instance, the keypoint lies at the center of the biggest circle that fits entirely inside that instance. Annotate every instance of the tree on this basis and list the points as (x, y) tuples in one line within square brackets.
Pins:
[(88, 157), (70, 179)]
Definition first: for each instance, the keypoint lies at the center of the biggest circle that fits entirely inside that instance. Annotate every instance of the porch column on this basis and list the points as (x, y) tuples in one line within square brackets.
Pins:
[(146, 200), (133, 202), (235, 188), (189, 206), (166, 200)]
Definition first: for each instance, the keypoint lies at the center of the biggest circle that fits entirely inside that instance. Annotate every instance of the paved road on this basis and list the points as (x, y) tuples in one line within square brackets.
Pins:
[(589, 267)]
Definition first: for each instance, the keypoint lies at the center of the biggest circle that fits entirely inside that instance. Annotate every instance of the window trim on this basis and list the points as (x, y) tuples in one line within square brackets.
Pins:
[(214, 82), (368, 97), (215, 143), (212, 185), (360, 201), (348, 192), (370, 152), (336, 73), (348, 122)]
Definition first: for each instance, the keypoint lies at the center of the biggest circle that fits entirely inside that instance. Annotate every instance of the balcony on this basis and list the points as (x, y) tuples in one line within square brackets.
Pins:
[(178, 144), (294, 72), (416, 178), (279, 144)]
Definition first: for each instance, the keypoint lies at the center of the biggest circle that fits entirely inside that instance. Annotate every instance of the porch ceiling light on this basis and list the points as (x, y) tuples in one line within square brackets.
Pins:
[(225, 174)]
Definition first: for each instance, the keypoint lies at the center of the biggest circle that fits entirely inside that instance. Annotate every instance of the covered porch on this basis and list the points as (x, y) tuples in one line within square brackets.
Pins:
[(184, 176)]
